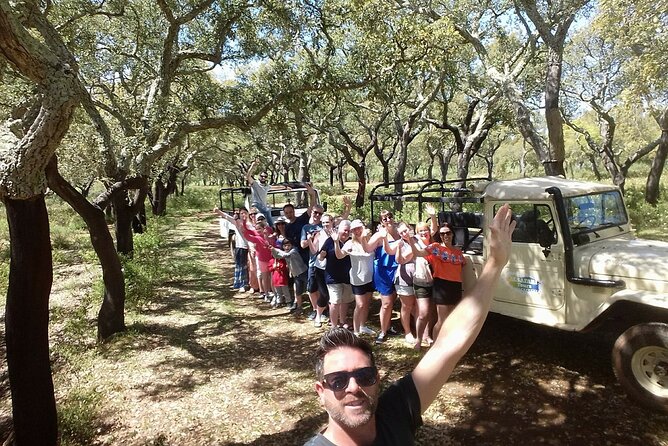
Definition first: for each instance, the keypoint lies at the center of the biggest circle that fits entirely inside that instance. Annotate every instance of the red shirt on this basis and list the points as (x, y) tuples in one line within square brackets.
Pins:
[(279, 272), (446, 262)]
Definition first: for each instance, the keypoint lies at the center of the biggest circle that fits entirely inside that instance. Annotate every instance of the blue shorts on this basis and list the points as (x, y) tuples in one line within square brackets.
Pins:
[(383, 277)]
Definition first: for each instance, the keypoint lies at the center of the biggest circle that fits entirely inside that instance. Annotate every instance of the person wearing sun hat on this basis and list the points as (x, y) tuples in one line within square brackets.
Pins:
[(361, 275)]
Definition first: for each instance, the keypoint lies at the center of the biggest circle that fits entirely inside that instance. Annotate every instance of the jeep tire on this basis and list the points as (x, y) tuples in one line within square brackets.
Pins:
[(640, 361)]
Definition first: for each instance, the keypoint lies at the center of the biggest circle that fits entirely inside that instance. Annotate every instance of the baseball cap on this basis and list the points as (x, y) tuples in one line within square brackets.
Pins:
[(260, 217), (356, 224)]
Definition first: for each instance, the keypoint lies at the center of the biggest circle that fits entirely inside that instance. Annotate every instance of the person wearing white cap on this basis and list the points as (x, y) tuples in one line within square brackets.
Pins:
[(337, 275), (361, 275)]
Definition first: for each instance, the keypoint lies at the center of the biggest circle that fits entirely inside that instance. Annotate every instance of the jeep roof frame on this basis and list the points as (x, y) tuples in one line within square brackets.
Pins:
[(451, 191)]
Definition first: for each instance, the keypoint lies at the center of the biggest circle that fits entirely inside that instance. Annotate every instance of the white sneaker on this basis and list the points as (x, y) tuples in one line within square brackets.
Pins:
[(366, 330), (410, 339)]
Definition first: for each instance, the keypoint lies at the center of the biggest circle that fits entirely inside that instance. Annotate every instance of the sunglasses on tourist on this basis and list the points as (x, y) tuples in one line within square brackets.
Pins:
[(446, 232), (387, 218), (316, 213), (337, 381)]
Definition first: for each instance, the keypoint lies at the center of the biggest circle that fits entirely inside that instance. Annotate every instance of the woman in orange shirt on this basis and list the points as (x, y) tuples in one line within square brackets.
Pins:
[(446, 262)]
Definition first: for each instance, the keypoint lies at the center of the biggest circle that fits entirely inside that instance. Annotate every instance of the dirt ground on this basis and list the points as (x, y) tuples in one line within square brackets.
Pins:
[(205, 366)]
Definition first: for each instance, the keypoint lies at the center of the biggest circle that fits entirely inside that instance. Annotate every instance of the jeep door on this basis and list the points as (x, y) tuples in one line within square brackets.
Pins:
[(532, 284)]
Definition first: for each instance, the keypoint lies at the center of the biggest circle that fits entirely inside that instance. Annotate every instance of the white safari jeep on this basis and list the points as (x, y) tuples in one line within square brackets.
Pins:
[(575, 265)]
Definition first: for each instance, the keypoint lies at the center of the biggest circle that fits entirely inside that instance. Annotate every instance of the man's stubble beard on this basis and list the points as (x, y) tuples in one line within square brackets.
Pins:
[(337, 413)]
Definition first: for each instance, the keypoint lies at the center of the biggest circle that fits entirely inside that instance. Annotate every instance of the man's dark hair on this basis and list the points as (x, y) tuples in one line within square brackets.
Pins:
[(288, 205), (335, 338)]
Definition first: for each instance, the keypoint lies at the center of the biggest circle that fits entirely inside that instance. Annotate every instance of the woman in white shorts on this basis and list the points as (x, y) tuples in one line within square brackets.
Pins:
[(361, 275), (403, 280)]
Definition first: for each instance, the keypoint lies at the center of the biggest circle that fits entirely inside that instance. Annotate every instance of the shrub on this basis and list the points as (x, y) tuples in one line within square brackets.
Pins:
[(77, 414)]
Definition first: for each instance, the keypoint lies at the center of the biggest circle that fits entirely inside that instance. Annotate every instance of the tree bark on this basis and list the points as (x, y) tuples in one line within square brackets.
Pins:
[(111, 317), (360, 171), (652, 186), (159, 198), (123, 224), (555, 126), (27, 323)]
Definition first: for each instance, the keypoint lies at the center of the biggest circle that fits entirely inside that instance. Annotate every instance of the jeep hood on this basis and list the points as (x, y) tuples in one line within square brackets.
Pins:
[(634, 261)]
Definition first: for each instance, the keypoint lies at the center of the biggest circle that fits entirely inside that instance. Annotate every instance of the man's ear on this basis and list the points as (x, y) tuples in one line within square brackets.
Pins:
[(320, 390)]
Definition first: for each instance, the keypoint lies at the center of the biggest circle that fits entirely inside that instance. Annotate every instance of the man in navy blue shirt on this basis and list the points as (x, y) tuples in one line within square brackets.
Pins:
[(337, 275)]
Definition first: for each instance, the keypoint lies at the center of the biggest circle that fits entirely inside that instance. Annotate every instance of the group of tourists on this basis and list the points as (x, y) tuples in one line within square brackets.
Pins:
[(340, 263)]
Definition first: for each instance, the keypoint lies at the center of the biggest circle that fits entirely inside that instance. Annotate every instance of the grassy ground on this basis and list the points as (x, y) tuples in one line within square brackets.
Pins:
[(200, 365)]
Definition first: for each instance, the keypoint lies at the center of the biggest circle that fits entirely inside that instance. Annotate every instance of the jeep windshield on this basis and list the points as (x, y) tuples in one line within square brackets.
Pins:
[(589, 213)]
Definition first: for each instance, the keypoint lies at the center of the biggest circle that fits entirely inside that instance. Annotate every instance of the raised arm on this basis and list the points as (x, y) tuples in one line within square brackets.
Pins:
[(224, 215), (312, 242), (404, 252), (431, 211), (462, 327), (347, 205), (415, 249), (390, 249), (311, 197), (250, 171), (340, 253), (279, 253), (375, 241)]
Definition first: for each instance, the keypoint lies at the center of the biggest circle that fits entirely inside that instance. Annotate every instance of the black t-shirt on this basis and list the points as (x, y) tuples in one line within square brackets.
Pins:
[(293, 231), (336, 270), (397, 416)]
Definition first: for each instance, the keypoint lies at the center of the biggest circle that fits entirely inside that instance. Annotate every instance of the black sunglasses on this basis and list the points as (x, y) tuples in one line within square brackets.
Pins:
[(337, 381), (446, 232)]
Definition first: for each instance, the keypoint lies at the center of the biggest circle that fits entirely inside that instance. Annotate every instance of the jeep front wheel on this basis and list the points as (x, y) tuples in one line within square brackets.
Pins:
[(640, 360)]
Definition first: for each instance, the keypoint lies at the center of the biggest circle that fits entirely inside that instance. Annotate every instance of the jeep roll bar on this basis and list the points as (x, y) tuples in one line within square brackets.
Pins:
[(442, 192), (457, 194), (232, 191), (568, 246)]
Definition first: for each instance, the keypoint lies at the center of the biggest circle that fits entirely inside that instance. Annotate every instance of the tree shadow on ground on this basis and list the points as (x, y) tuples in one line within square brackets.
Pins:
[(543, 386), (297, 436)]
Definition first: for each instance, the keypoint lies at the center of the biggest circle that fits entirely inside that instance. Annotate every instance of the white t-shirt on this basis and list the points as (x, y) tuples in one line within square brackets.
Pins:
[(361, 263)]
